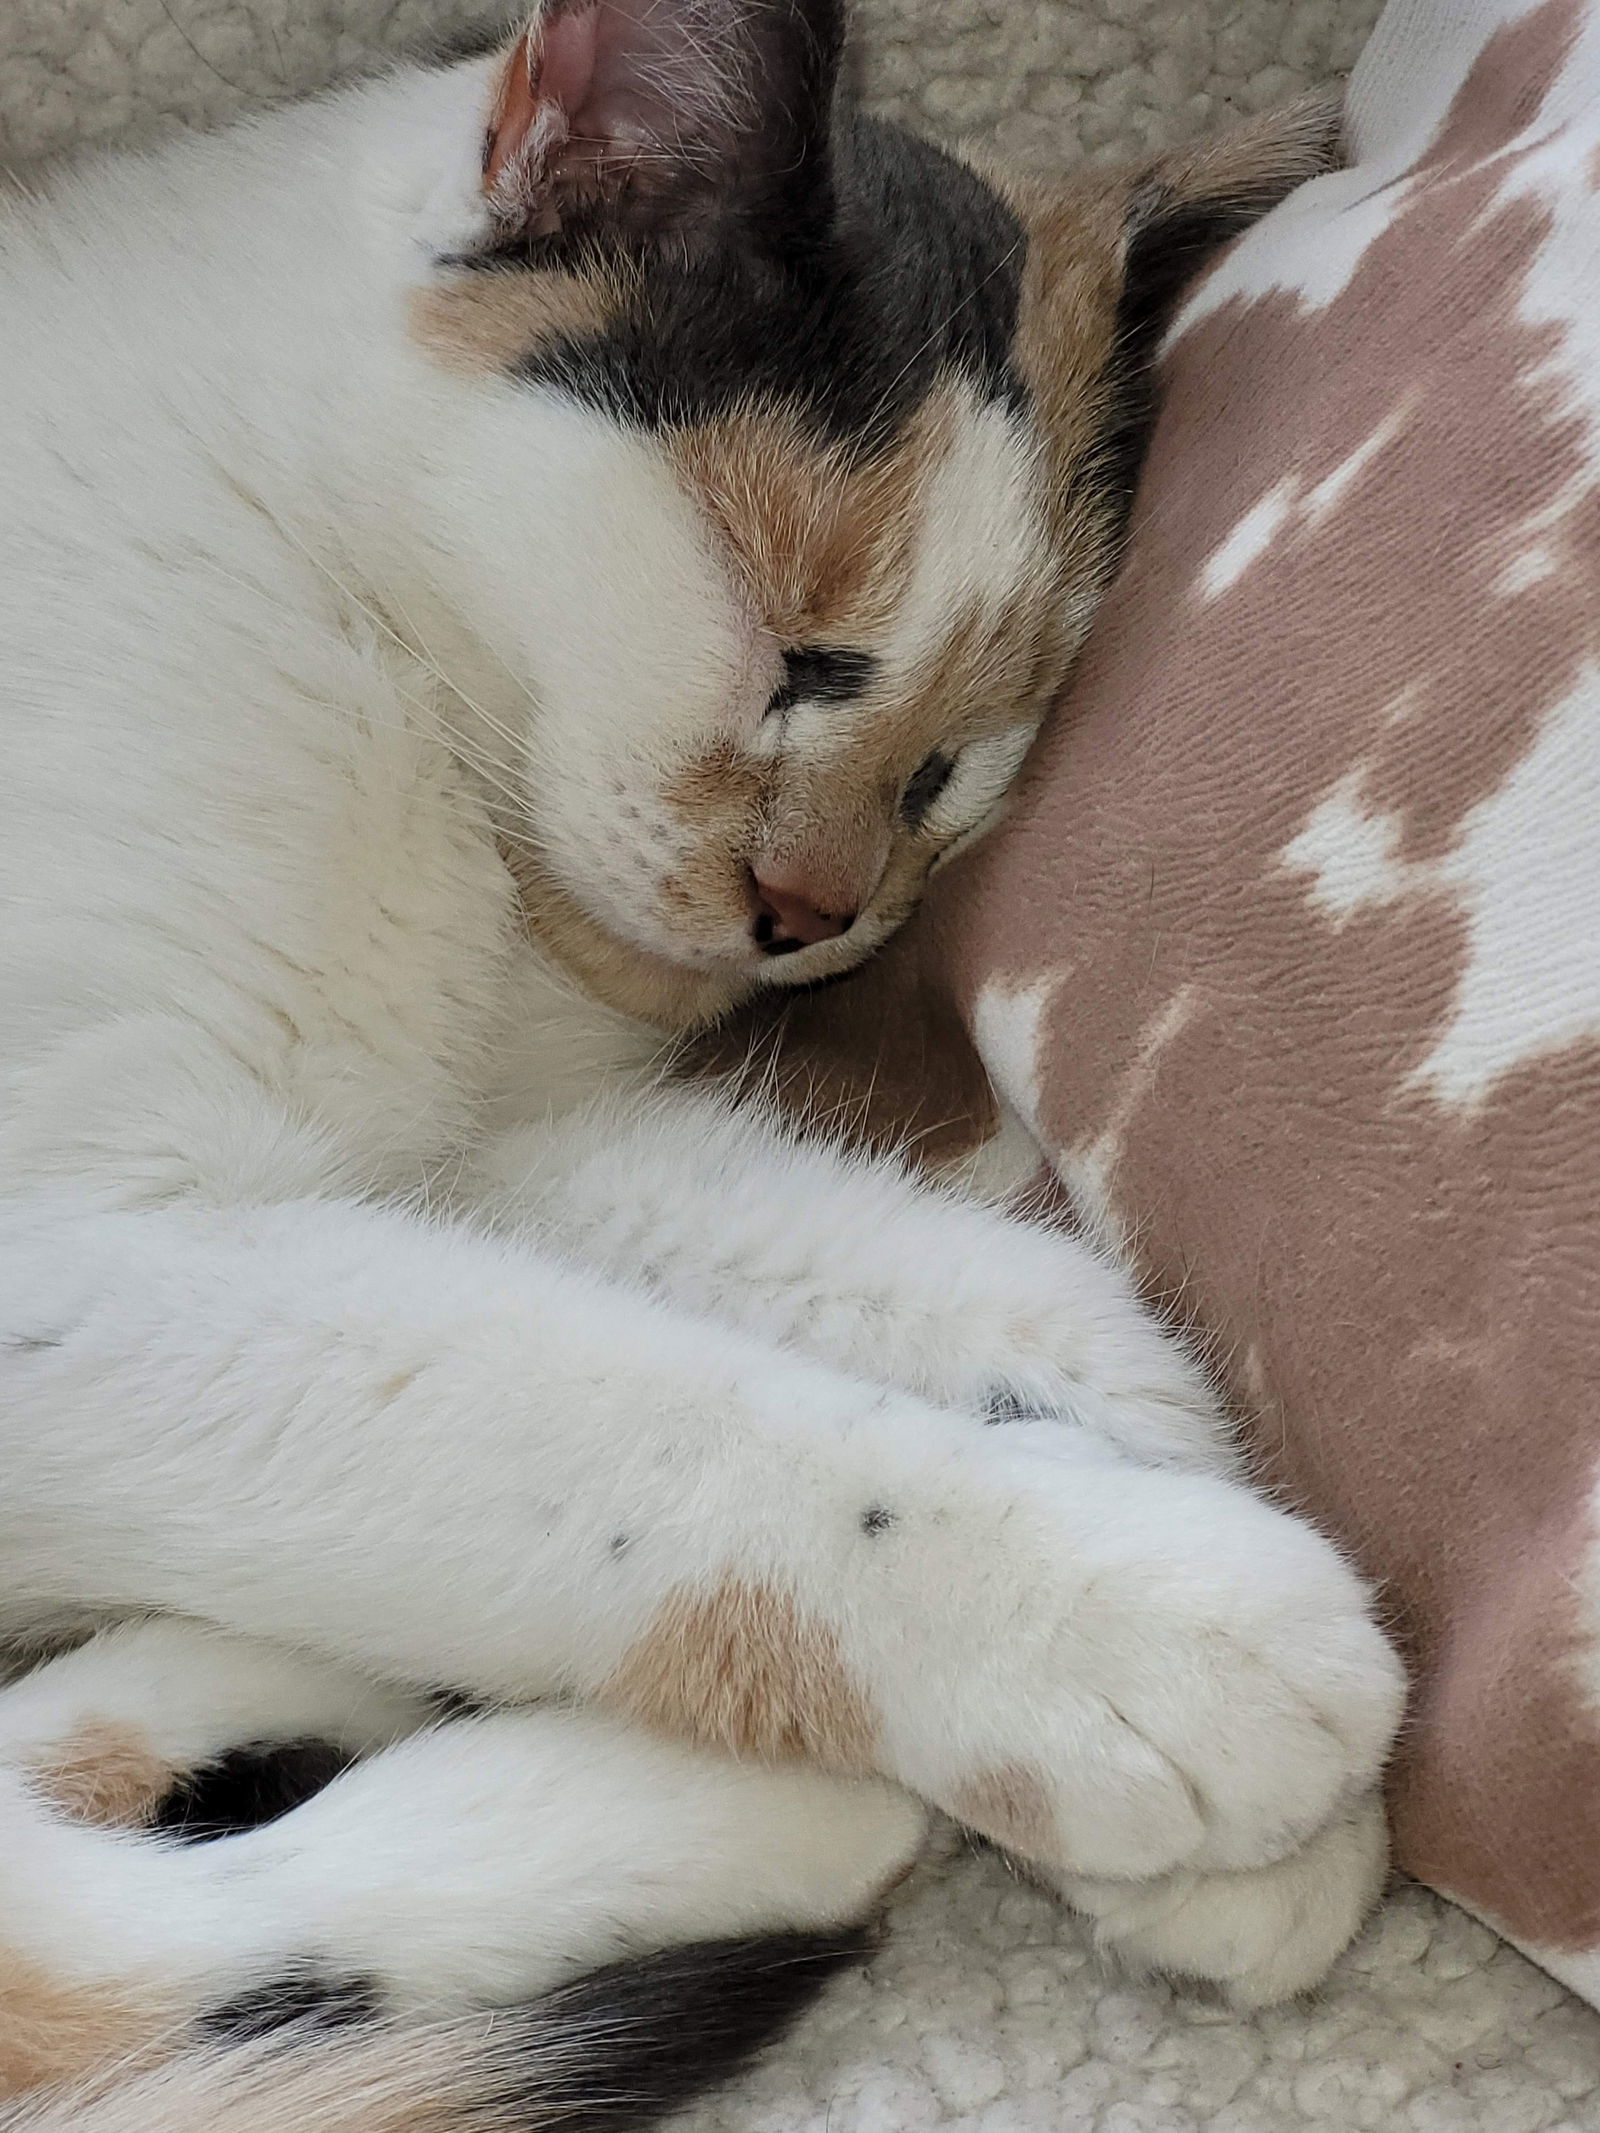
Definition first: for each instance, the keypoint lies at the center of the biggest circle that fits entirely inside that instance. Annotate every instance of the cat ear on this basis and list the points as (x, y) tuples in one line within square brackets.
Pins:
[(625, 121), (1186, 204)]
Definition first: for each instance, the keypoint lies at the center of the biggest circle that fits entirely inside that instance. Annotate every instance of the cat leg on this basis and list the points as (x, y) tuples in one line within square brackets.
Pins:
[(851, 1258), (477, 1865), (447, 1459), (108, 1730)]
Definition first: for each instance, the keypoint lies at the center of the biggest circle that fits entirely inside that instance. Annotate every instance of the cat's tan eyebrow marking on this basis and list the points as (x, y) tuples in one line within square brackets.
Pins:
[(484, 319), (824, 544)]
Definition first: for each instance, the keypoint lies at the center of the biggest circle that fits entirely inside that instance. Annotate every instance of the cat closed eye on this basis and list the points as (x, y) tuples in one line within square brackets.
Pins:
[(822, 673), (924, 786)]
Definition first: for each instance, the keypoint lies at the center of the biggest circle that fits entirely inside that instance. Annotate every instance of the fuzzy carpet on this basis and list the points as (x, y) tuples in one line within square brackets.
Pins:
[(985, 2013)]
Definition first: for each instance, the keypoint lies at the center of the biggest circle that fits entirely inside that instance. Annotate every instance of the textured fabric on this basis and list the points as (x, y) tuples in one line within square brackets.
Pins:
[(1042, 80), (1290, 954), (985, 2013)]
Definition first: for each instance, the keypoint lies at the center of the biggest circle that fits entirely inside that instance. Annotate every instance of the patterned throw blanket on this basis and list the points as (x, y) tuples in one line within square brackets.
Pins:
[(1289, 954)]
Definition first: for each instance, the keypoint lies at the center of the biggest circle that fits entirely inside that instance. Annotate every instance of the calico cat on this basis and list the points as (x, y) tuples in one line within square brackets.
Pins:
[(500, 565)]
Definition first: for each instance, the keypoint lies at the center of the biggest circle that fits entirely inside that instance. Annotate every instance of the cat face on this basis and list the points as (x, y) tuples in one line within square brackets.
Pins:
[(795, 455)]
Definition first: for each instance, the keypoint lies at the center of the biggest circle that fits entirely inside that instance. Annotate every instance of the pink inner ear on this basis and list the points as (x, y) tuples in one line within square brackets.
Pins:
[(643, 82), (591, 88), (567, 58), (547, 80)]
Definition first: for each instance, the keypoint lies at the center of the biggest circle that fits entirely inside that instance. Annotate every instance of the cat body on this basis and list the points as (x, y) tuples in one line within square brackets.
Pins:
[(498, 566)]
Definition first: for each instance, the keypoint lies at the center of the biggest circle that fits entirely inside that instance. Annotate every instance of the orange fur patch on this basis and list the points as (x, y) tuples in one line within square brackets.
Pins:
[(742, 1669), (52, 2031), (1066, 329), (104, 1773), (1011, 1805), (483, 320)]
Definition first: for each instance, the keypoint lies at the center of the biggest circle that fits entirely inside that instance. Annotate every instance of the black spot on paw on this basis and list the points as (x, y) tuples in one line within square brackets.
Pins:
[(248, 1787), (305, 1997), (877, 1518), (619, 1543)]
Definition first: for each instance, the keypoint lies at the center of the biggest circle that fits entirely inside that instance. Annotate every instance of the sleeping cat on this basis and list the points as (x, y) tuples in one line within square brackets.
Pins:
[(499, 566)]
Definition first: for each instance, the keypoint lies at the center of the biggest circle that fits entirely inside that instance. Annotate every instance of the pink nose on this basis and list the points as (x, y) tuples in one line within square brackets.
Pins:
[(785, 920)]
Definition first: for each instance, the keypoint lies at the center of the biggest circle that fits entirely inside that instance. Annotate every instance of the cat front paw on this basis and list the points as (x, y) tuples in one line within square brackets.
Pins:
[(1261, 1935), (1172, 1675), (1036, 1323)]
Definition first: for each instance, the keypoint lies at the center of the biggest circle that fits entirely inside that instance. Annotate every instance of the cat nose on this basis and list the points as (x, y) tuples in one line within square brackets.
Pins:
[(785, 920)]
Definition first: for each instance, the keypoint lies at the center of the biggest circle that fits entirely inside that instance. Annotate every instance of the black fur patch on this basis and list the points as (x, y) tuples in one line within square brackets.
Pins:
[(304, 1998), (920, 272), (248, 1787), (823, 674), (617, 2051), (877, 1518)]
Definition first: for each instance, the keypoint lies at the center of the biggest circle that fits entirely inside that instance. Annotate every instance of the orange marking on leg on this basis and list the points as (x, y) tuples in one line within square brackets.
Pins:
[(742, 1668)]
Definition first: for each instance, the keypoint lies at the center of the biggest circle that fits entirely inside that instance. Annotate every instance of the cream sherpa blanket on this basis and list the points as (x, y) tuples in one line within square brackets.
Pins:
[(1041, 80), (985, 2014)]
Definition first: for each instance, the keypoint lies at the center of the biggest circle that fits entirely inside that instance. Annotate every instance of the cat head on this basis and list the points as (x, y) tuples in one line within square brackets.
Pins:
[(784, 458)]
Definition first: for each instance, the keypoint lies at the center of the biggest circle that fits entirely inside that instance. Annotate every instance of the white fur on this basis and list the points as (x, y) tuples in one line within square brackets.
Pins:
[(274, 1069), (981, 540)]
